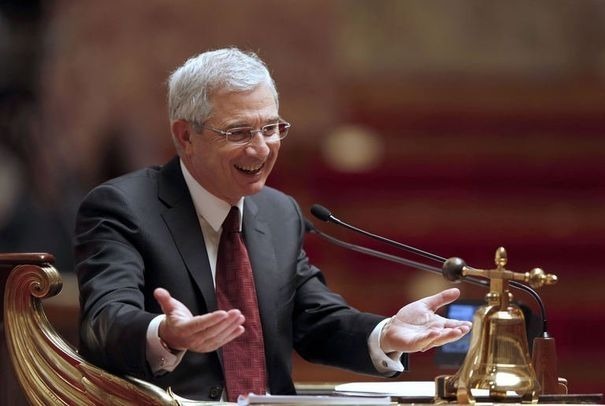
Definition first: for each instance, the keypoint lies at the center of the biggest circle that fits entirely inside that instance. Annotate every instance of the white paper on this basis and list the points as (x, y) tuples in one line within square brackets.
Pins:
[(253, 399), (399, 388)]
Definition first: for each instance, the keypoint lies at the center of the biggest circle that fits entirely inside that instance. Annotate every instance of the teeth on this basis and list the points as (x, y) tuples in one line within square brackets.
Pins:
[(250, 169)]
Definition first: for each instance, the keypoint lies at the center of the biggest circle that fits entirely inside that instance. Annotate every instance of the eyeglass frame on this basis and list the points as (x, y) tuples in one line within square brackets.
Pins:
[(251, 131)]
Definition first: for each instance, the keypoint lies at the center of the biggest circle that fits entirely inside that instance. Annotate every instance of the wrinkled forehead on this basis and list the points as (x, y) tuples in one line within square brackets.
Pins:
[(257, 104), (222, 88)]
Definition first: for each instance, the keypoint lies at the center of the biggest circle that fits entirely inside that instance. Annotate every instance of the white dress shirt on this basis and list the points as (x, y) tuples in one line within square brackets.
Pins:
[(211, 214)]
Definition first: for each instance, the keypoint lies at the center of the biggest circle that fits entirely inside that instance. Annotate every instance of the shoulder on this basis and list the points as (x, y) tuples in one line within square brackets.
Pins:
[(276, 209), (135, 191), (139, 177), (143, 183), (270, 199), (140, 182)]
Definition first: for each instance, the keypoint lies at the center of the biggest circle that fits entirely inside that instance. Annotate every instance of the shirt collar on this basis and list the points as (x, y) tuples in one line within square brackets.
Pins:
[(212, 209)]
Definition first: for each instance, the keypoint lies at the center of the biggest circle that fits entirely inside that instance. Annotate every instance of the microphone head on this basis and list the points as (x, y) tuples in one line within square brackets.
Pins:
[(309, 227), (452, 269), (321, 212)]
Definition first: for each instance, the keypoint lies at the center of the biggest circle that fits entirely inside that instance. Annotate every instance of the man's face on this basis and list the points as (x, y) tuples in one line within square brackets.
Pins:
[(230, 171)]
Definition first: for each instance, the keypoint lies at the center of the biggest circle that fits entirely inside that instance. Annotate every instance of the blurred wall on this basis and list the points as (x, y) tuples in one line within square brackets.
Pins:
[(456, 127)]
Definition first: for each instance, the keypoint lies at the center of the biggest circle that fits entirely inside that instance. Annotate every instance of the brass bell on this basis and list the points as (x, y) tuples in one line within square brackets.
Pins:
[(498, 359)]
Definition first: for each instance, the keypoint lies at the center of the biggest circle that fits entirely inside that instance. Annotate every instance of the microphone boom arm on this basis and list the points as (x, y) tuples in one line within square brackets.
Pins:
[(453, 268), (392, 258)]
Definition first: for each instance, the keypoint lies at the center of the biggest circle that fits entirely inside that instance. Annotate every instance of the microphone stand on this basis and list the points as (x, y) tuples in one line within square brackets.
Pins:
[(310, 228), (454, 269), (325, 215)]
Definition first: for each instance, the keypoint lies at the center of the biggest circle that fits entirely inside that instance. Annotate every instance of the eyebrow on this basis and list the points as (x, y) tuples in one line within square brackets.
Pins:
[(246, 124)]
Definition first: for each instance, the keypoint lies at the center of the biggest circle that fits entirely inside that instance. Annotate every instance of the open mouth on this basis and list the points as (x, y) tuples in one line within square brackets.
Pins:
[(250, 170)]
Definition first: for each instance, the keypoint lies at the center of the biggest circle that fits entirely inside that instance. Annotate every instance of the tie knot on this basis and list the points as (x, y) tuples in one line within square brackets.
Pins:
[(232, 221)]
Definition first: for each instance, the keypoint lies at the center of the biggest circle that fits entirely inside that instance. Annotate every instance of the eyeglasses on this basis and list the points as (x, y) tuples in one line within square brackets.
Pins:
[(243, 135)]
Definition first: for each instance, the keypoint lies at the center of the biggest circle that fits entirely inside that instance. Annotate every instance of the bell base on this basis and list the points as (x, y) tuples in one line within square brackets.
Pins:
[(448, 389)]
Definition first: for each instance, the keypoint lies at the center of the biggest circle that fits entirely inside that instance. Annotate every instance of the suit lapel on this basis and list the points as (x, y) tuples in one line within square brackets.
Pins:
[(264, 265), (182, 221)]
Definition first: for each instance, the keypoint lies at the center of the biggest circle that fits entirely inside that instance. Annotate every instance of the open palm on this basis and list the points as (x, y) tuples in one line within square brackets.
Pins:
[(416, 326)]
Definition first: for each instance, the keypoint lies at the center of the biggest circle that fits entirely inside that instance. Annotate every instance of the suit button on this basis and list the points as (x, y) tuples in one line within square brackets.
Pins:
[(215, 392)]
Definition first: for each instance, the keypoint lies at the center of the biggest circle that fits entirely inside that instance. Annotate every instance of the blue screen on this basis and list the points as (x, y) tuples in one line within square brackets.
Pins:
[(460, 311)]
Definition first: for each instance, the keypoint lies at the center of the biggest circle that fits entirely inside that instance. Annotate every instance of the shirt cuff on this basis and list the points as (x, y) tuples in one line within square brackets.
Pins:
[(161, 360), (386, 364)]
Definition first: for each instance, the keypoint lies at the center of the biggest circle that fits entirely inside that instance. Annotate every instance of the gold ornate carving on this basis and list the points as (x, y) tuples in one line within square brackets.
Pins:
[(49, 369)]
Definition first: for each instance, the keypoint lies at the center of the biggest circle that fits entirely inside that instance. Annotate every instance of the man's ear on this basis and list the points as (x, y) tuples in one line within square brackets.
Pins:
[(181, 132)]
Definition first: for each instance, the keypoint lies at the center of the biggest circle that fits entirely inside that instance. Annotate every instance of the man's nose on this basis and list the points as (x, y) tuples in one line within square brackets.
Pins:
[(258, 144)]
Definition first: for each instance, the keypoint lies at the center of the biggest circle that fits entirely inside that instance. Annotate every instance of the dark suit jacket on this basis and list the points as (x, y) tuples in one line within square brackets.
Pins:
[(140, 231)]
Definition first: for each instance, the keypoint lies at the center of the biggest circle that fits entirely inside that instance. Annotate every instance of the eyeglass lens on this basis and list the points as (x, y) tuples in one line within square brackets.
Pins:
[(246, 133)]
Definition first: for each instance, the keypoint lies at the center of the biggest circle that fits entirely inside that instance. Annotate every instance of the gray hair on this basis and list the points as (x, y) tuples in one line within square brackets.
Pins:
[(190, 87)]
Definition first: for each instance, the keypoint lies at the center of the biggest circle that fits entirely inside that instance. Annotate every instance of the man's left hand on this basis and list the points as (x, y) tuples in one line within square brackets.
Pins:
[(416, 327)]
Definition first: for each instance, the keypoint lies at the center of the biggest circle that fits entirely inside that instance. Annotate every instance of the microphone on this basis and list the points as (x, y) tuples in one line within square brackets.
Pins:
[(310, 228), (452, 268), (325, 215)]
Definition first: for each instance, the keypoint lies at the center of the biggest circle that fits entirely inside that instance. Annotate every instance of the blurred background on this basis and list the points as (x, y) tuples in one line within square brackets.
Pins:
[(456, 127)]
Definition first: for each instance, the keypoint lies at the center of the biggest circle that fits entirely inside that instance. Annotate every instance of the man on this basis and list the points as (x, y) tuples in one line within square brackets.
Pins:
[(150, 263)]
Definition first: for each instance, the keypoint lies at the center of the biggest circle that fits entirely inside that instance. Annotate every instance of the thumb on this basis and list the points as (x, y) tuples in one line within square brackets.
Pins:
[(166, 302), (442, 298)]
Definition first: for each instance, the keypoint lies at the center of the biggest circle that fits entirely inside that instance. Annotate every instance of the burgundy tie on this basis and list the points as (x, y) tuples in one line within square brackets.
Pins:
[(244, 357)]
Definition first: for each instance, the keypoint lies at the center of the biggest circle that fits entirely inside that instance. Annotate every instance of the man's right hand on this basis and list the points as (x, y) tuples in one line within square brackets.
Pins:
[(205, 333)]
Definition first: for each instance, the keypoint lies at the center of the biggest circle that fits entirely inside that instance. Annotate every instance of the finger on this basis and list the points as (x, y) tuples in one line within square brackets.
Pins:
[(208, 321), (226, 334), (189, 333), (219, 335), (441, 299), (446, 336), (453, 323), (238, 331), (232, 319), (213, 344), (162, 296)]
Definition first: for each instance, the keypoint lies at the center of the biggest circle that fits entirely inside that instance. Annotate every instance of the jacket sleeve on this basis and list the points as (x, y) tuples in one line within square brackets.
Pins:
[(110, 269)]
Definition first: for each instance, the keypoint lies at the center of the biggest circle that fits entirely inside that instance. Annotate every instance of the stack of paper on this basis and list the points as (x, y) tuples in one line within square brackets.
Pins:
[(253, 399), (414, 389)]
